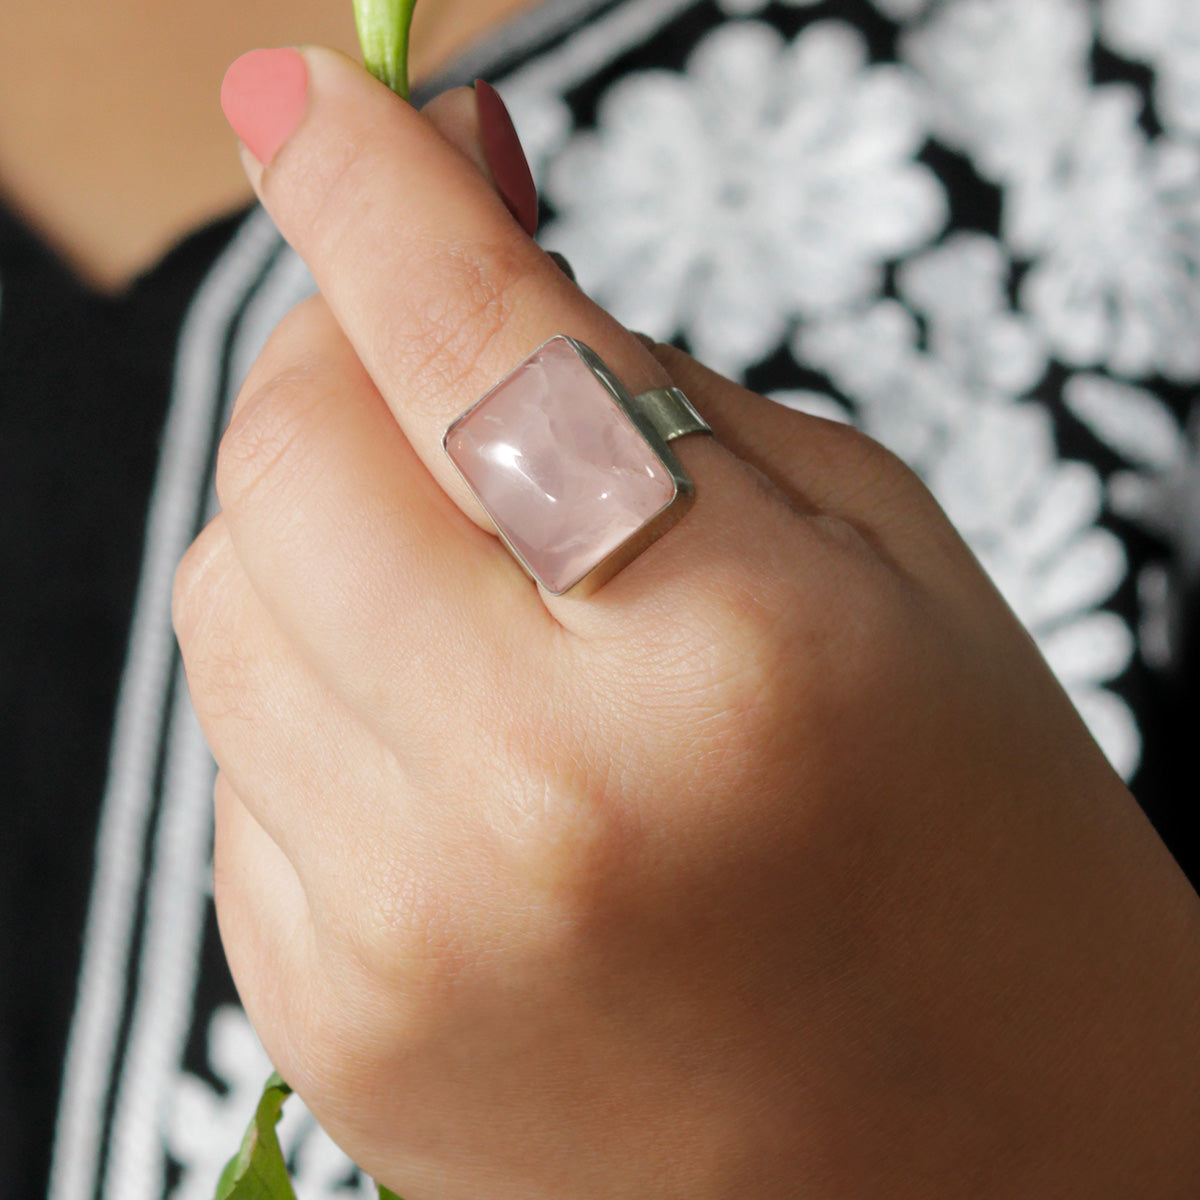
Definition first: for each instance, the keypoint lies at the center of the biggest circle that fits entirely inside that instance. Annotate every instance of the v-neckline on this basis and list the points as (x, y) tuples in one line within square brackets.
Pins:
[(17, 230), (539, 24)]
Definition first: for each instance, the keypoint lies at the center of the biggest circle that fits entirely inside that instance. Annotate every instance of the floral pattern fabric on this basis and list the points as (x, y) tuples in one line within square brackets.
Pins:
[(969, 245), (712, 232)]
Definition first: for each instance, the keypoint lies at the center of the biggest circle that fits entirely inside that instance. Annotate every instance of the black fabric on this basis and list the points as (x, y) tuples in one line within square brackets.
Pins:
[(84, 384)]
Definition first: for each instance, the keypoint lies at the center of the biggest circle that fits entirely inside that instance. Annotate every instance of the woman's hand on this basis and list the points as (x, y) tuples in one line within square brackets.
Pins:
[(779, 867)]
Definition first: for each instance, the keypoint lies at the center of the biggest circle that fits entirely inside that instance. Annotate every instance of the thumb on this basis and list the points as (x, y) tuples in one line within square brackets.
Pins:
[(476, 121)]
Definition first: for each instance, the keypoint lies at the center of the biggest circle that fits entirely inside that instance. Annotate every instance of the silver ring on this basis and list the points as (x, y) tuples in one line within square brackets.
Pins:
[(576, 474)]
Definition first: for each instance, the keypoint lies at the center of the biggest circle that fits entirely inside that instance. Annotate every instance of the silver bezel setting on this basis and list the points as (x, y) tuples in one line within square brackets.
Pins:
[(620, 557)]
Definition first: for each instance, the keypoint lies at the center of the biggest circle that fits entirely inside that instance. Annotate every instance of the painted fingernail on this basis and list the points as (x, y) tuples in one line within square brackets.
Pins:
[(264, 95), (510, 167)]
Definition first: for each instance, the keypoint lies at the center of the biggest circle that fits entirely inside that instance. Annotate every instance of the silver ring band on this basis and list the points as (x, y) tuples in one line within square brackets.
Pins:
[(575, 473), (670, 412)]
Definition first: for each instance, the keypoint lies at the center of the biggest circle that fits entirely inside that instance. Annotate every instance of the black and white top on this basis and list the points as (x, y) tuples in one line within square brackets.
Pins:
[(970, 226)]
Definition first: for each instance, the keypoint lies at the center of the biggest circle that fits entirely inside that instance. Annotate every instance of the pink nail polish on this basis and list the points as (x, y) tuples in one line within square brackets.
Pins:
[(510, 167), (264, 95)]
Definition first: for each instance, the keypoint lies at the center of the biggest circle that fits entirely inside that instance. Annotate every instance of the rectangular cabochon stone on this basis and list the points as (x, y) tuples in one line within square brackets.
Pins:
[(564, 473)]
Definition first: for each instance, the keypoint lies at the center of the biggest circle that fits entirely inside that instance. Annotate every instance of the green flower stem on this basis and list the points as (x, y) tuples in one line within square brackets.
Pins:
[(383, 27)]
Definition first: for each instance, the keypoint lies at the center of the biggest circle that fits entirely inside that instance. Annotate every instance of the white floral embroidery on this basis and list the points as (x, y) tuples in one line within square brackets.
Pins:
[(952, 411), (1167, 34), (1114, 232), (1160, 493), (205, 1127), (1008, 79), (1108, 221), (962, 289), (685, 211)]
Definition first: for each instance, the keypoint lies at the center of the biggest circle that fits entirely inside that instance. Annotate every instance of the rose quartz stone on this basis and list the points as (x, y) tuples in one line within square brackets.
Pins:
[(560, 468)]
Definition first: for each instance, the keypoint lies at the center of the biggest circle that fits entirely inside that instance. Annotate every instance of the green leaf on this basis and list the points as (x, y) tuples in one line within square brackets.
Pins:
[(383, 27), (257, 1171)]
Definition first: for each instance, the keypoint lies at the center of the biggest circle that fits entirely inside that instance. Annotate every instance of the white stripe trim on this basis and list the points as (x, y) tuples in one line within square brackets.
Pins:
[(597, 44), (518, 36), (128, 798), (177, 904), (178, 890)]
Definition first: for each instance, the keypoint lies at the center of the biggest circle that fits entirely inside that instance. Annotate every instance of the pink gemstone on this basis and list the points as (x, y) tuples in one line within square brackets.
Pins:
[(563, 472)]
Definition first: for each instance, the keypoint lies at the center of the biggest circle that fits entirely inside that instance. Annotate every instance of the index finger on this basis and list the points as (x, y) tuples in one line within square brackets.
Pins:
[(442, 294), (437, 287)]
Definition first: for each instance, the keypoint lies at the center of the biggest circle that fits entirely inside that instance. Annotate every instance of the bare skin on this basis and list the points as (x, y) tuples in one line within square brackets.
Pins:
[(780, 867), (119, 153)]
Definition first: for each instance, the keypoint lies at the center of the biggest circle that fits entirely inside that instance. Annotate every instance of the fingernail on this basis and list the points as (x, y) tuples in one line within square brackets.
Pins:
[(560, 260), (264, 95), (510, 167)]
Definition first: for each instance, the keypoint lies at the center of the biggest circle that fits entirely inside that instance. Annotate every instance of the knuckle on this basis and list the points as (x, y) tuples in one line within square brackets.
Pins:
[(271, 433), (882, 468), (208, 611), (752, 660), (571, 834), (194, 586), (868, 468), (334, 192), (222, 690), (304, 326), (734, 648), (436, 334), (439, 342), (745, 673), (841, 438), (402, 932)]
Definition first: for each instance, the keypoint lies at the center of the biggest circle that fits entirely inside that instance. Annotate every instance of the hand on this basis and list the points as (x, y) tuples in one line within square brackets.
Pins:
[(781, 866)]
